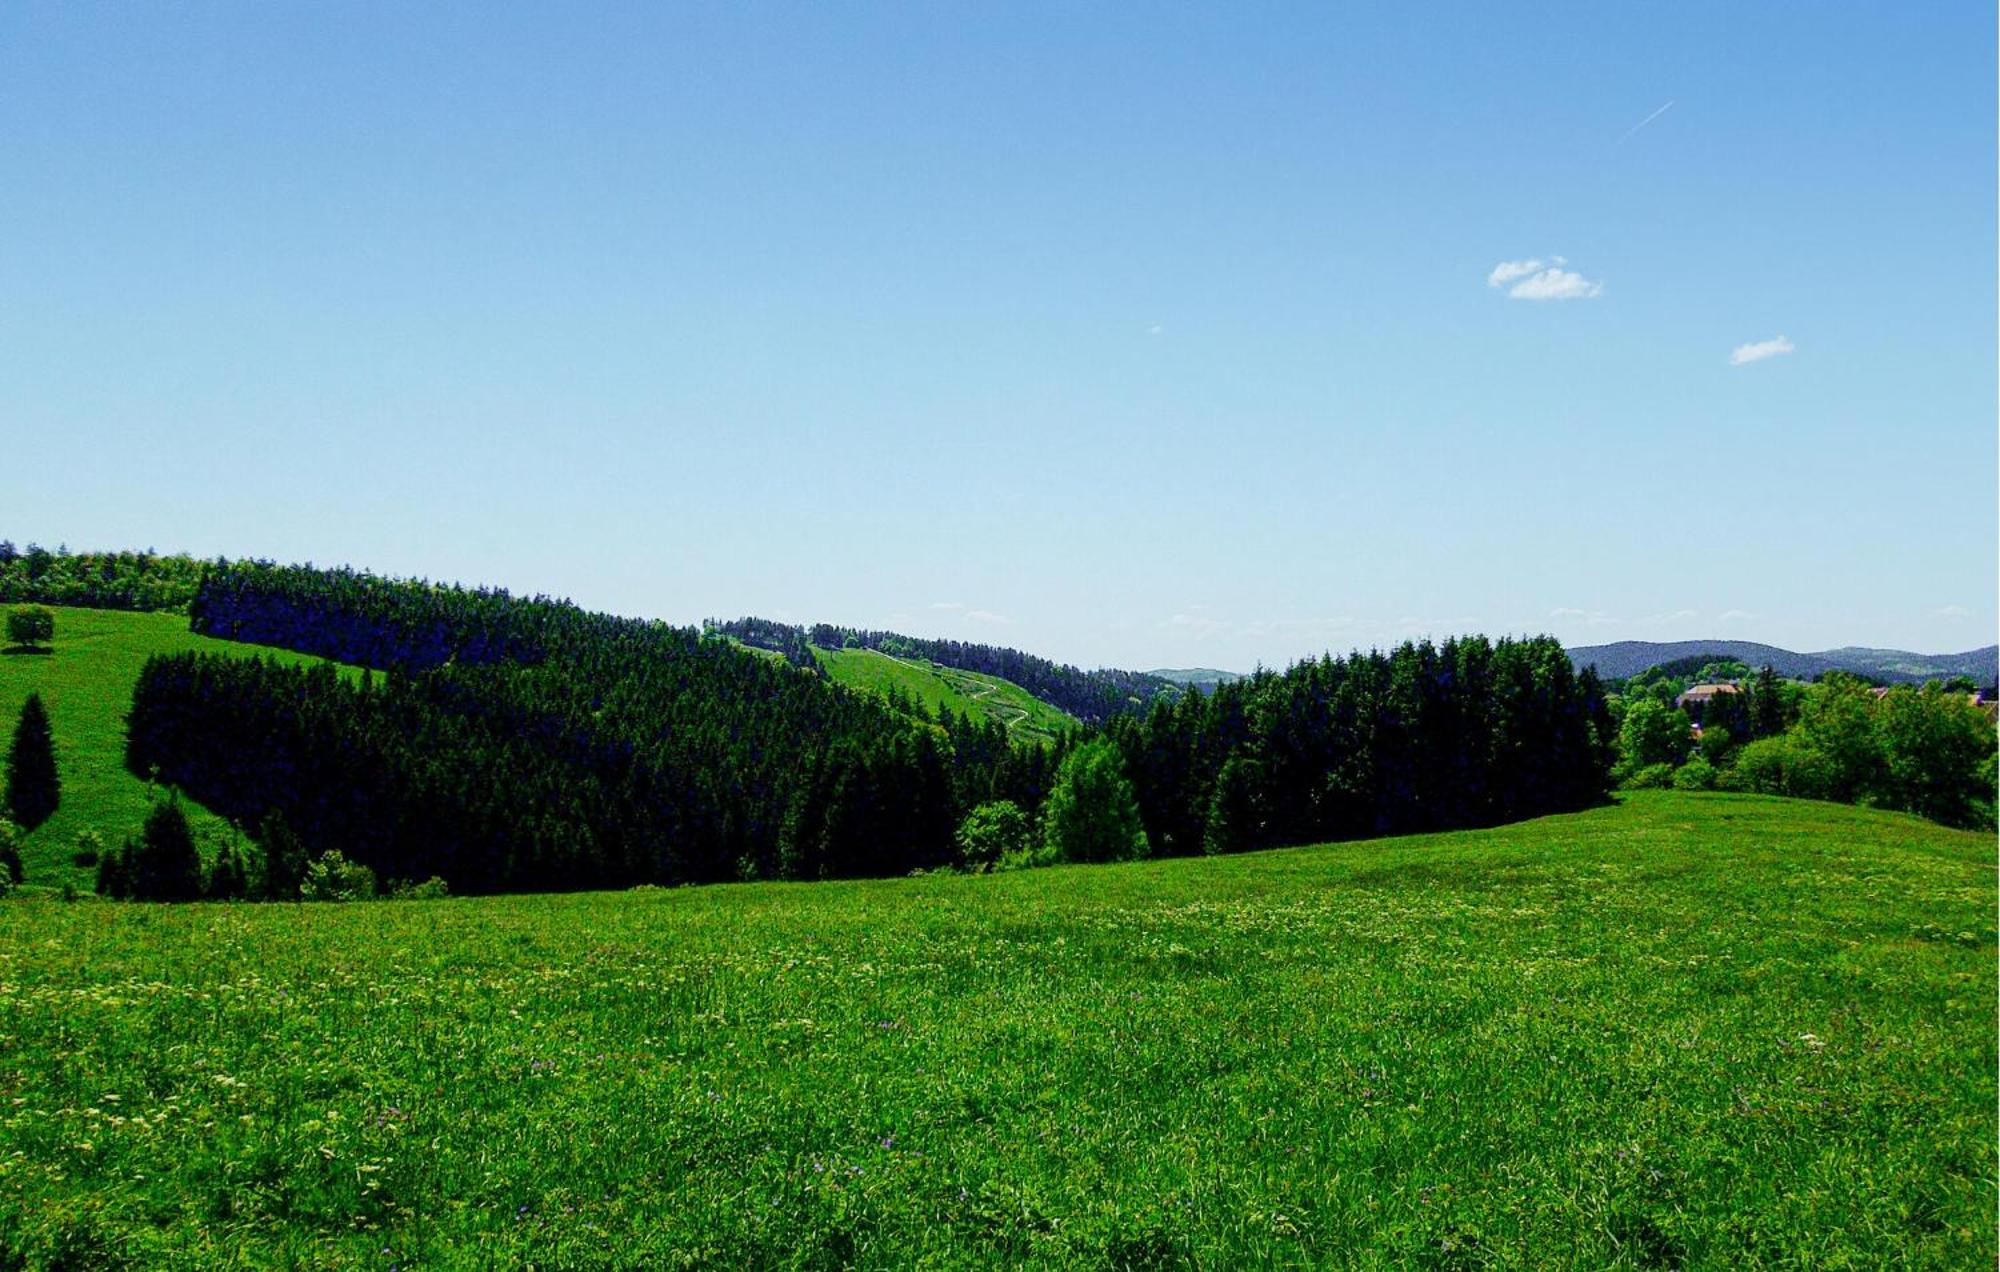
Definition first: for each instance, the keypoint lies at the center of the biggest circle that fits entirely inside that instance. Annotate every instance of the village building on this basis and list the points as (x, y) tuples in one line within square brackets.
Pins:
[(1696, 698)]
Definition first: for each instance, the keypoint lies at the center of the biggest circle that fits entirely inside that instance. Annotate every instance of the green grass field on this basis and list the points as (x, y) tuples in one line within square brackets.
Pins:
[(965, 692), (1701, 1030), (87, 686)]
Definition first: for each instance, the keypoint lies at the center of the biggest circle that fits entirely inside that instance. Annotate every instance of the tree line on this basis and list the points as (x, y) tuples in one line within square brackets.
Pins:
[(1931, 750), (1425, 737), (100, 580)]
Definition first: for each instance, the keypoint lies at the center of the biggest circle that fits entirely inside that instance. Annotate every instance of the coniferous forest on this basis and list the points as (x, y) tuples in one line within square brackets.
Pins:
[(509, 744)]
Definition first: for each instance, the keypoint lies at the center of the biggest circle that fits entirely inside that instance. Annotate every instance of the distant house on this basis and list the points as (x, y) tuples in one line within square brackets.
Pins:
[(1695, 701), (1978, 698)]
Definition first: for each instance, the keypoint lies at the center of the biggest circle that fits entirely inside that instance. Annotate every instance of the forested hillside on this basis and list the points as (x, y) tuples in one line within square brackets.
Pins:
[(503, 743), (1468, 733), (530, 744), (1090, 696)]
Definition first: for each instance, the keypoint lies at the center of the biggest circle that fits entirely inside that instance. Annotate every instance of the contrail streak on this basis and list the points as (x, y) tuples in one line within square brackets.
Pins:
[(1647, 120)]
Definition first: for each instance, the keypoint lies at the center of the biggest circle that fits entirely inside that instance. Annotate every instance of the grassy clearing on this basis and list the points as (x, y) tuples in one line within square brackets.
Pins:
[(965, 692), (87, 685), (1718, 1031)]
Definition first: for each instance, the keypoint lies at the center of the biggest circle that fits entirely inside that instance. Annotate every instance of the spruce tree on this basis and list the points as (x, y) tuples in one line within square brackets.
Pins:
[(33, 787), (114, 872), (166, 866), (225, 877), (284, 859)]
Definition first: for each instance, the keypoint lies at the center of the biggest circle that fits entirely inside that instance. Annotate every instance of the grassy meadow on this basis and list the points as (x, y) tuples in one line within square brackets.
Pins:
[(86, 684), (933, 685), (1689, 1030)]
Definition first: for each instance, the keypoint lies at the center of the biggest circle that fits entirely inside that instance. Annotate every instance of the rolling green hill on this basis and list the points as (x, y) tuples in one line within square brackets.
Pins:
[(87, 685), (965, 692), (1690, 1030)]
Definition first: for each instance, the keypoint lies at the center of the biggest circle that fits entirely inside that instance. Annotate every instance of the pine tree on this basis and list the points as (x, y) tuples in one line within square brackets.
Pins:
[(34, 789), (166, 866), (1767, 705), (284, 859), (225, 878), (114, 872)]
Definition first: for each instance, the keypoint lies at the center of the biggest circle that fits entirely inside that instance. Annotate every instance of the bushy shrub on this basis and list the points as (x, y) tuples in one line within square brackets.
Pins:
[(431, 889), (1652, 733), (10, 853), (332, 877), (1036, 852), (1653, 777), (31, 625), (89, 848), (992, 832), (1784, 765), (1695, 775)]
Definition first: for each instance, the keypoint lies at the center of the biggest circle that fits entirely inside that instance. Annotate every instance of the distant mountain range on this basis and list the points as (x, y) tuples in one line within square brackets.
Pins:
[(1202, 678), (1625, 658)]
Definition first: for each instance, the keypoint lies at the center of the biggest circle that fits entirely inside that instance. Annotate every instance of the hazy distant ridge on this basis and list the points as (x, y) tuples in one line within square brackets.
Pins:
[(1204, 678), (1630, 657)]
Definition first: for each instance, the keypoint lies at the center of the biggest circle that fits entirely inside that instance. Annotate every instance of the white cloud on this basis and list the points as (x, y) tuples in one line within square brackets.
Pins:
[(987, 616), (1411, 626), (1953, 611), (1308, 628), (1758, 350), (1556, 284), (1199, 624), (1593, 618), (1734, 616), (1603, 618), (1155, 329), (1508, 271)]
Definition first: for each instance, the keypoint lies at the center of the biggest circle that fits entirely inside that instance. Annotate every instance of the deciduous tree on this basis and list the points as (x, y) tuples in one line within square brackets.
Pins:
[(1092, 814)]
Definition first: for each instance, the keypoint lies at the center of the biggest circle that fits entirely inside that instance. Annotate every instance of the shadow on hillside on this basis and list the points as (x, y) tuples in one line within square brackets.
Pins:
[(12, 650)]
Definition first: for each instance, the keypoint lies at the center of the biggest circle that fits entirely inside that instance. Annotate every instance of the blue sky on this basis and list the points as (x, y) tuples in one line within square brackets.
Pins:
[(1130, 335)]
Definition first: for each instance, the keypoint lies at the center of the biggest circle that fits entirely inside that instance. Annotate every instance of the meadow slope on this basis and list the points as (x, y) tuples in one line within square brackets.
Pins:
[(967, 693), (86, 683), (1699, 1030)]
